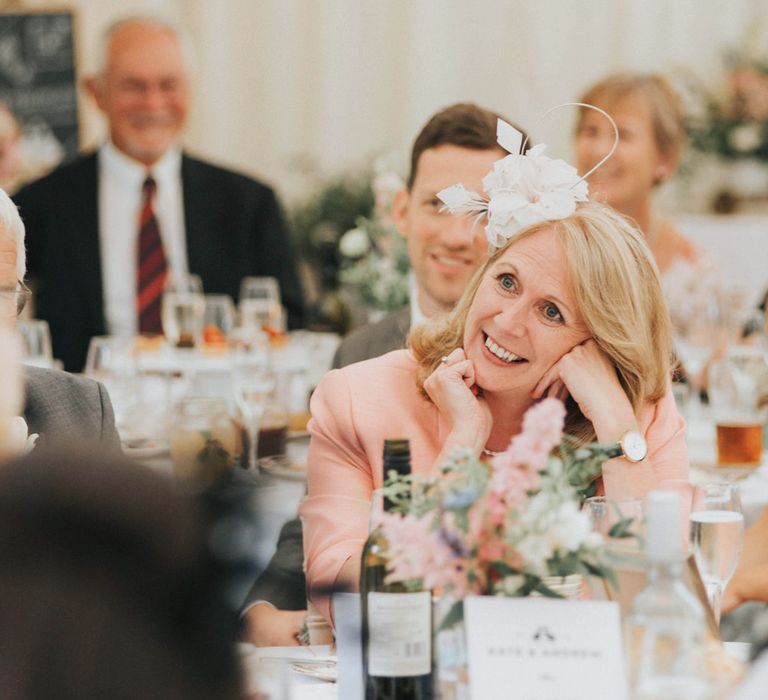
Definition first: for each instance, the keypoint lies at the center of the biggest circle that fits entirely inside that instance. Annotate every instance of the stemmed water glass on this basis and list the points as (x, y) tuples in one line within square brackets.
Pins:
[(717, 535), (252, 397), (253, 383), (697, 337)]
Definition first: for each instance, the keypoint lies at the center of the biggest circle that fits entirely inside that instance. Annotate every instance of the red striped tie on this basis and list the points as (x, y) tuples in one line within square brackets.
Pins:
[(152, 265)]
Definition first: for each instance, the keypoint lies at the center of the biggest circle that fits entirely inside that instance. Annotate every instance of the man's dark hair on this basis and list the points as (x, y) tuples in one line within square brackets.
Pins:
[(464, 124)]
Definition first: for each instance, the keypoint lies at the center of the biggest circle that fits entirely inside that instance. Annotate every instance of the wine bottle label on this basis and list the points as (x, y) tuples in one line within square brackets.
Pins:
[(400, 634)]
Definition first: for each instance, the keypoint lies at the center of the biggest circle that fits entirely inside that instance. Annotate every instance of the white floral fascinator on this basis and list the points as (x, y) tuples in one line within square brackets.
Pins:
[(524, 188)]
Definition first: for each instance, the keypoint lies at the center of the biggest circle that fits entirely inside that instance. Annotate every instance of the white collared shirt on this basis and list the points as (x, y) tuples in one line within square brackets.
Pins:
[(417, 315), (120, 193)]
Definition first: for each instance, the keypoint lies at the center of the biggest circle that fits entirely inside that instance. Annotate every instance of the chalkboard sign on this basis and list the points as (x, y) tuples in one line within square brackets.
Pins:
[(38, 79)]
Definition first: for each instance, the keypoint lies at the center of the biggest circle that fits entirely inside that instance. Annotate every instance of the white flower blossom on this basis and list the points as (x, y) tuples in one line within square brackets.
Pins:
[(535, 550), (355, 243), (522, 190), (570, 529), (746, 138)]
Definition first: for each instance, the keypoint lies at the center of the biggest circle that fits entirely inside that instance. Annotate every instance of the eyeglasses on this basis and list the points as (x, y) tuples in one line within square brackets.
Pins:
[(17, 297)]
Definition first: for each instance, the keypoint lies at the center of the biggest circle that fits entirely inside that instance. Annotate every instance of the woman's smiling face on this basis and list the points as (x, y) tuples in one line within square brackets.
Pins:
[(524, 317)]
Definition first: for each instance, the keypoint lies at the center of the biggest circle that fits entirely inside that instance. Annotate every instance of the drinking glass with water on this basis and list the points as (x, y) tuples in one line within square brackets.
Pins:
[(717, 536)]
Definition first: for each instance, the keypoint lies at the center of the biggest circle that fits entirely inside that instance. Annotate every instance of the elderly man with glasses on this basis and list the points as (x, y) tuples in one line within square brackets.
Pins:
[(61, 407)]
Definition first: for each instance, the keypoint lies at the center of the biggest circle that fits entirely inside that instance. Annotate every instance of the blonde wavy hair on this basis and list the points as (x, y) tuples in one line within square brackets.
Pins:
[(616, 285)]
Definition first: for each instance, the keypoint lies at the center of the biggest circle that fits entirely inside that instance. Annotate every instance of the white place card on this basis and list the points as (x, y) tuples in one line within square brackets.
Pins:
[(541, 649)]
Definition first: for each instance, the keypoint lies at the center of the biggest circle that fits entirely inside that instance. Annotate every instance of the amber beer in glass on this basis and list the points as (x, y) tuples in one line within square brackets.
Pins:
[(738, 384), (739, 444)]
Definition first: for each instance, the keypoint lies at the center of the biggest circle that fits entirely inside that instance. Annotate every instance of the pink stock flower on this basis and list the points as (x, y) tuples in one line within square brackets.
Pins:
[(545, 422), (515, 471), (416, 551)]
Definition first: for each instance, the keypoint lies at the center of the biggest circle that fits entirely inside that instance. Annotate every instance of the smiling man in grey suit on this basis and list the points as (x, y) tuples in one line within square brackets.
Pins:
[(60, 407), (458, 144)]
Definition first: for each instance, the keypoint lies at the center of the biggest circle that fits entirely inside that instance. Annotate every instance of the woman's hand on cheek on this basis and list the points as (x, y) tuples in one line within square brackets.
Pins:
[(449, 387), (589, 376)]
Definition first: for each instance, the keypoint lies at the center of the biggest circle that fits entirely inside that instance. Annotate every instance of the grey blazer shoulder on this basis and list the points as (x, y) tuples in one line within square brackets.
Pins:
[(374, 339), (65, 409)]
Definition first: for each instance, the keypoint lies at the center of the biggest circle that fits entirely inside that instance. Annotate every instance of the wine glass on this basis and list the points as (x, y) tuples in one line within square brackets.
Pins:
[(699, 333), (260, 305), (35, 343), (111, 360), (717, 535), (252, 397), (218, 318), (183, 308), (264, 288), (607, 514)]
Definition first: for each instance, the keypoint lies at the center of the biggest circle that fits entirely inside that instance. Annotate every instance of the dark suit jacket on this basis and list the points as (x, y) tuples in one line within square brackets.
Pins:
[(65, 409), (282, 583), (233, 229)]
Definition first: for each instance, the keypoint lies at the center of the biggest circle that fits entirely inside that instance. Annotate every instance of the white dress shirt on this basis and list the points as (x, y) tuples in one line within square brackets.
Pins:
[(417, 315), (120, 198)]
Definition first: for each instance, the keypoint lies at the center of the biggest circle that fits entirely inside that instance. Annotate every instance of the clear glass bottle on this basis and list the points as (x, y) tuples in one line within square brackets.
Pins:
[(397, 622), (666, 630)]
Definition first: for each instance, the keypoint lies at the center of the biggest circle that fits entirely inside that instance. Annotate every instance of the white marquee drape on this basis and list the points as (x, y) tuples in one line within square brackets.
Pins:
[(335, 81)]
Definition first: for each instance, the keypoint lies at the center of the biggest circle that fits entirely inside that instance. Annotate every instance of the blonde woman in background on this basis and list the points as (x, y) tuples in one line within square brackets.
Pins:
[(649, 115), (651, 122)]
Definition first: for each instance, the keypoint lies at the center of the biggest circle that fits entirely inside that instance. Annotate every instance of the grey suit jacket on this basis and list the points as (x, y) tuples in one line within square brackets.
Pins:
[(66, 409), (282, 583), (374, 339)]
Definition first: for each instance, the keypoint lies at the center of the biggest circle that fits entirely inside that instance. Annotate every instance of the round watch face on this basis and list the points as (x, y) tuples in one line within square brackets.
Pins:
[(633, 444)]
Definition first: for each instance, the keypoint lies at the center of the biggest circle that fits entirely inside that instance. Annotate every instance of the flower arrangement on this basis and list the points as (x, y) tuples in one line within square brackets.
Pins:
[(345, 234), (503, 530), (733, 121), (374, 255)]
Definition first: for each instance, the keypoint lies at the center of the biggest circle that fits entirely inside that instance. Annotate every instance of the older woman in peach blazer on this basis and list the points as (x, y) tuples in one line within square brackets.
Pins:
[(571, 309)]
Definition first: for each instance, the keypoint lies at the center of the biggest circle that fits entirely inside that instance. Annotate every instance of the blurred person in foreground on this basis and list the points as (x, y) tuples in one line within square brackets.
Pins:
[(107, 230), (569, 306), (59, 407), (108, 586), (457, 144)]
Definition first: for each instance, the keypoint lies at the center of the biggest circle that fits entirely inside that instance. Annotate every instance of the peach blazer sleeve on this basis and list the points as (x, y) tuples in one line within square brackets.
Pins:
[(664, 430), (339, 483), (353, 411)]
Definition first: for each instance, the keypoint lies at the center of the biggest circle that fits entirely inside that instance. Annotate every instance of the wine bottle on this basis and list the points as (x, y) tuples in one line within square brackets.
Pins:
[(666, 629), (397, 622)]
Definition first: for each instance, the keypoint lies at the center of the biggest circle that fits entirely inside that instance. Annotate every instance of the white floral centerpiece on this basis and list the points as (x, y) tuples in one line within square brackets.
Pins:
[(501, 529), (374, 256)]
